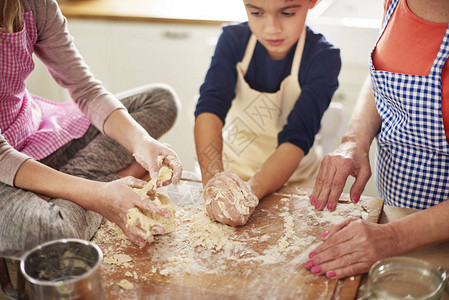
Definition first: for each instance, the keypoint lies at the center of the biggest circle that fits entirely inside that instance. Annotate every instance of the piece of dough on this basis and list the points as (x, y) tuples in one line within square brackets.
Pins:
[(146, 219)]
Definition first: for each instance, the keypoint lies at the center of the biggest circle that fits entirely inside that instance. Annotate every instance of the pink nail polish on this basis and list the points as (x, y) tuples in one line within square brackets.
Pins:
[(324, 234), (318, 204), (309, 265), (316, 270), (329, 206), (312, 254), (313, 200), (356, 198), (331, 274)]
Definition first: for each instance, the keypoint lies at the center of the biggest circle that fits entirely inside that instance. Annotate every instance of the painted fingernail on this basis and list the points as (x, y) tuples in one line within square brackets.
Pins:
[(309, 265), (318, 204), (316, 270), (313, 200), (325, 234), (331, 274), (312, 254), (356, 198), (329, 206)]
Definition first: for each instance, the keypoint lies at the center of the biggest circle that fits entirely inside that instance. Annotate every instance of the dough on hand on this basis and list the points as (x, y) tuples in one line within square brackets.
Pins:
[(146, 219), (229, 199)]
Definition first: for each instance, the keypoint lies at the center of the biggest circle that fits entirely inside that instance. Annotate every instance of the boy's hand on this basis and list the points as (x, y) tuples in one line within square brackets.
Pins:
[(228, 199)]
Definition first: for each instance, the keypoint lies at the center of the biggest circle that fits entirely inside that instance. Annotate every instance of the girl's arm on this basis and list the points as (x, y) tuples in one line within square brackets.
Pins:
[(41, 179), (276, 170), (112, 199), (121, 127), (209, 145)]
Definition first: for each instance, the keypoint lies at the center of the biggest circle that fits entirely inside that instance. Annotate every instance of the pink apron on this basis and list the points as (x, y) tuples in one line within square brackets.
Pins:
[(31, 124)]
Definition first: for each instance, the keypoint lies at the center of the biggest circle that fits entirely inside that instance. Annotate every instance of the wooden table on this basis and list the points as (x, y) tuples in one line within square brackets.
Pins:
[(263, 259)]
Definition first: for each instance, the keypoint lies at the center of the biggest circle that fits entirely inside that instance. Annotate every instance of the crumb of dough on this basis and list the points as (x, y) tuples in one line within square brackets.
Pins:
[(125, 284), (122, 260)]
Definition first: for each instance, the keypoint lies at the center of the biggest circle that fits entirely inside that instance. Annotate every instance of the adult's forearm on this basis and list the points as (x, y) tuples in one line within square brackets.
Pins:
[(209, 145), (365, 120), (422, 229), (276, 170)]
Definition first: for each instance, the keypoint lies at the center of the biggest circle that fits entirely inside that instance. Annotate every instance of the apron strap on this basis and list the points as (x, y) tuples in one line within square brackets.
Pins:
[(388, 15), (442, 56), (298, 53), (248, 53)]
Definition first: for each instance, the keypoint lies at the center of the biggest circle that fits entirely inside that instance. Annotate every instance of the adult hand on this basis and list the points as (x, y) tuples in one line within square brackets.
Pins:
[(153, 155), (348, 159), (351, 248), (117, 197), (229, 199)]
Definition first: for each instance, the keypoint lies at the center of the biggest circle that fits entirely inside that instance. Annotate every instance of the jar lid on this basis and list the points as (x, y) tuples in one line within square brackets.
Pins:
[(406, 278)]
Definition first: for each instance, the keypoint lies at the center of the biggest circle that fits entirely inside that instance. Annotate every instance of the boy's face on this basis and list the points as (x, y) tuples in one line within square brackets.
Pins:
[(277, 24)]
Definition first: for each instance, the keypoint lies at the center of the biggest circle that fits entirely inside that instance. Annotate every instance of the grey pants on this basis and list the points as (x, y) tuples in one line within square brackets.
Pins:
[(26, 220)]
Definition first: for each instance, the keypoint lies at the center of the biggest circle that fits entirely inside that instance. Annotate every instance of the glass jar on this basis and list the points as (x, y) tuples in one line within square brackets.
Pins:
[(406, 278)]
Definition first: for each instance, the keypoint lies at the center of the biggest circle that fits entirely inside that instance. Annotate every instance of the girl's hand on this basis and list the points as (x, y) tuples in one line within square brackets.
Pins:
[(347, 159), (117, 197), (351, 248), (153, 155), (228, 199)]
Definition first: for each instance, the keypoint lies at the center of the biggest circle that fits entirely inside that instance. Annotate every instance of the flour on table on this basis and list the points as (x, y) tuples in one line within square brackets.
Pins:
[(200, 246)]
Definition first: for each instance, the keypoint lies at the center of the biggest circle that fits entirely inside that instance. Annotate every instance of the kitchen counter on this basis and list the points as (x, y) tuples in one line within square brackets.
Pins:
[(178, 11)]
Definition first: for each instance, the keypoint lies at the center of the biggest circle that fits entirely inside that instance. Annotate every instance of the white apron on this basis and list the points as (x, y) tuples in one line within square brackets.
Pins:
[(256, 118)]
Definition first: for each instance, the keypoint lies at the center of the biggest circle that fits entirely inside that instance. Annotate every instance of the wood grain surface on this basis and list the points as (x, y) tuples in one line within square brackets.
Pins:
[(205, 260)]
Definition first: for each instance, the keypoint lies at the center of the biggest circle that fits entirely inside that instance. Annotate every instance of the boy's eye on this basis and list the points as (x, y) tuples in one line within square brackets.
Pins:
[(288, 14), (255, 13)]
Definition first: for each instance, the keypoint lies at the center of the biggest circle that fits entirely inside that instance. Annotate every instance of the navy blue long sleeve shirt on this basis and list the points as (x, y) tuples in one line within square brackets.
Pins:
[(318, 78)]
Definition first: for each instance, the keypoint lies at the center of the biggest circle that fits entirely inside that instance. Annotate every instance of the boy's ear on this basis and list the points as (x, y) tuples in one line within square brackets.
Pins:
[(312, 3)]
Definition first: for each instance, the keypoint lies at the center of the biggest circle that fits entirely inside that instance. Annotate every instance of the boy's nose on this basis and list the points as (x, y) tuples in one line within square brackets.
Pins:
[(272, 25)]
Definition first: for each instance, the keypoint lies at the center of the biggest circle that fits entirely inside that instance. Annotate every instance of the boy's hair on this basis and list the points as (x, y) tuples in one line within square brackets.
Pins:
[(12, 16)]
